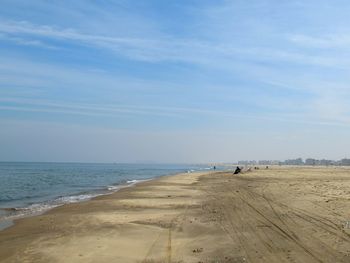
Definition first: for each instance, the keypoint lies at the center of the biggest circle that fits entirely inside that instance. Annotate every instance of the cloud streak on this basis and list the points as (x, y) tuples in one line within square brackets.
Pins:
[(324, 41), (168, 48), (26, 105)]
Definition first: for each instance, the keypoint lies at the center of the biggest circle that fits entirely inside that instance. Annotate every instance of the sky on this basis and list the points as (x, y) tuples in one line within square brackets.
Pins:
[(165, 81)]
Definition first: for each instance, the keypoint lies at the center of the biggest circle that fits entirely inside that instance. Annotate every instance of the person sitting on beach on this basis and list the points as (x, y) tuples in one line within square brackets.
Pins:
[(237, 171)]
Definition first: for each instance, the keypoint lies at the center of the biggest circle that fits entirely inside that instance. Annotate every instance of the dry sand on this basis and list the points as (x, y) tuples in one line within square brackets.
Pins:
[(275, 215)]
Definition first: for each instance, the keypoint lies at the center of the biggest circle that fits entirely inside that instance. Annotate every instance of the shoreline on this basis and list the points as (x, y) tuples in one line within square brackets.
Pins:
[(276, 215), (30, 204), (9, 220), (8, 215), (24, 230)]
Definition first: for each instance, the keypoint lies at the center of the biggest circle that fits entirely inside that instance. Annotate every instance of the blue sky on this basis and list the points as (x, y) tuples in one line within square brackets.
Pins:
[(174, 81)]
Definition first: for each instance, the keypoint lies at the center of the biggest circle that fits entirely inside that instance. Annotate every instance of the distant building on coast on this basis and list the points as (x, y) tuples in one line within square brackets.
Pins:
[(345, 162), (247, 162), (268, 162), (297, 161), (311, 161), (327, 162)]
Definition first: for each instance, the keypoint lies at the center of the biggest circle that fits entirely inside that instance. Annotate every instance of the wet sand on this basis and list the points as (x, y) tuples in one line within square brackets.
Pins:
[(282, 214)]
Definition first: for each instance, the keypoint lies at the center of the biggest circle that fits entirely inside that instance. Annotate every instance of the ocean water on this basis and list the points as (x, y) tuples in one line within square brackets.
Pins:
[(32, 188)]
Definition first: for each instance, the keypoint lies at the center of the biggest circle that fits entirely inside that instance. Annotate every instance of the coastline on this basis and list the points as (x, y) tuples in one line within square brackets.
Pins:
[(9, 214), (25, 229), (8, 220), (276, 215)]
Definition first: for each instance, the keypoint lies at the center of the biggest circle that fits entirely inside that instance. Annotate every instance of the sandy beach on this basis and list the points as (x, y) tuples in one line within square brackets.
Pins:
[(283, 214)]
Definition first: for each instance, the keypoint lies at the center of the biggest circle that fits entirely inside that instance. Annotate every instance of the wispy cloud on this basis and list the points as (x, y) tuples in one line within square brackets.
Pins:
[(168, 48), (56, 79), (138, 47), (45, 106), (26, 42), (338, 40)]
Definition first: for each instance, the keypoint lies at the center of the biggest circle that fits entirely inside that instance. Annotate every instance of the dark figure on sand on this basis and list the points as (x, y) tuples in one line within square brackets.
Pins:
[(237, 171)]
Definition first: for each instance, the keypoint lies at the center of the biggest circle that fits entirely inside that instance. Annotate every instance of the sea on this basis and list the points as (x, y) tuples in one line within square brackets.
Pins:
[(28, 189)]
